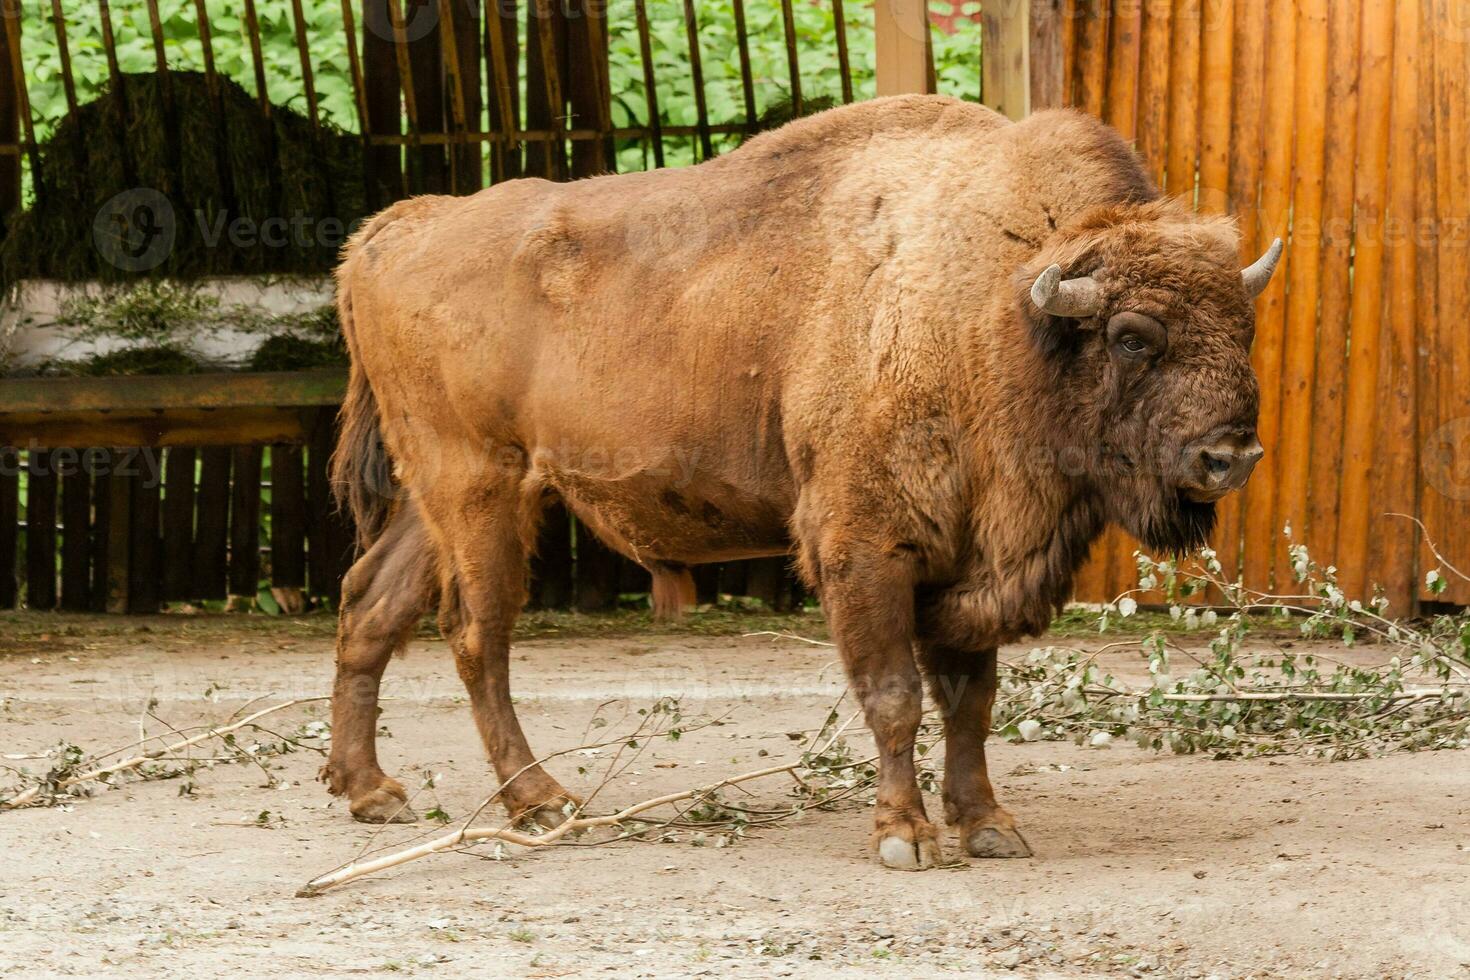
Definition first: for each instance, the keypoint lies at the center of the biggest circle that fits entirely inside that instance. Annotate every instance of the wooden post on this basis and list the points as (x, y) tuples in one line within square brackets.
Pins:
[(1046, 60), (9, 526), (244, 569), (900, 27), (1005, 65), (76, 520), (40, 531), (119, 530), (288, 529), (177, 574)]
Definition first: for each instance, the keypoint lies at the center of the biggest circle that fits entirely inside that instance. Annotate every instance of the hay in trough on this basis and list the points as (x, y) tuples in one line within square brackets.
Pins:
[(156, 177)]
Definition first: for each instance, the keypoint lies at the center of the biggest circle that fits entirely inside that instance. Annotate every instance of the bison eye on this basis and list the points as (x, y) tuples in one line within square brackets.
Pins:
[(1134, 335)]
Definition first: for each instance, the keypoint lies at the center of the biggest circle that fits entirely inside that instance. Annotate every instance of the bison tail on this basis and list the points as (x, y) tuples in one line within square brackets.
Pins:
[(362, 472)]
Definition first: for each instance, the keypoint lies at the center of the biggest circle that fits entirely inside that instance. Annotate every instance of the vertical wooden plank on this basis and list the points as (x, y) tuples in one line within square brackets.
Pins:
[(423, 92), (257, 58), (1262, 528), (1005, 65), (244, 578), (844, 62), (1452, 437), (144, 554), (1217, 55), (1428, 327), (320, 570), (551, 566), (303, 55), (1359, 424), (1247, 107), (1303, 274), (331, 539), (1329, 371), (1046, 58), (40, 530), (9, 527), (383, 165), (793, 65), (453, 81), (63, 54), (899, 30), (119, 530), (354, 64), (1445, 490), (696, 73), (596, 574), (1092, 56), (211, 535), (178, 525), (742, 47), (9, 133), (100, 461), (288, 528), (503, 70), (1184, 93), (588, 96), (10, 16), (1125, 49), (1395, 466), (468, 155), (76, 521), (545, 36), (650, 84)]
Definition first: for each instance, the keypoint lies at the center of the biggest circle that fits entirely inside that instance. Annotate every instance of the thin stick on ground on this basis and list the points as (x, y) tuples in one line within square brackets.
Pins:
[(466, 835), (31, 795)]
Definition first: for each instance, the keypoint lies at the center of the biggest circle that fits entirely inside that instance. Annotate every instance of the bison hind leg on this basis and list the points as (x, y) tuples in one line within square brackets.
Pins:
[(384, 598)]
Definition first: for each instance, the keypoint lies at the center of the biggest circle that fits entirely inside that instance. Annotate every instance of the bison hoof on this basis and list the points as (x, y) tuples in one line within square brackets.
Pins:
[(908, 855), (386, 804), (551, 814), (996, 842)]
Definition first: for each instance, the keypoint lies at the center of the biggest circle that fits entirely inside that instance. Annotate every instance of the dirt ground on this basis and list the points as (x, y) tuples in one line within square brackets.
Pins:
[(1146, 864)]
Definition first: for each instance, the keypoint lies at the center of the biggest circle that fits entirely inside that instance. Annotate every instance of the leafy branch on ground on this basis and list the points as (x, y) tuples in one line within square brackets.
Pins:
[(74, 773)]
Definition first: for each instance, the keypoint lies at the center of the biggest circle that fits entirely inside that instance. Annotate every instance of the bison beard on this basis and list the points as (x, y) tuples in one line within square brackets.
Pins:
[(1168, 521), (876, 329)]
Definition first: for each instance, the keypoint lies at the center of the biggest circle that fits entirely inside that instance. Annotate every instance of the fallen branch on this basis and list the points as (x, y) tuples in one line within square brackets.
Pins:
[(469, 835), (1408, 695), (28, 796)]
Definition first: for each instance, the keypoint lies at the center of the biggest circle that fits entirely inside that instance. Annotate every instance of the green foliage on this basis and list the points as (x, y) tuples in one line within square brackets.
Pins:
[(956, 58), (1253, 693)]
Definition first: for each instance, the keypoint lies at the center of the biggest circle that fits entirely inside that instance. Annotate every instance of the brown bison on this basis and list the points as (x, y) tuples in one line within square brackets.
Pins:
[(931, 352)]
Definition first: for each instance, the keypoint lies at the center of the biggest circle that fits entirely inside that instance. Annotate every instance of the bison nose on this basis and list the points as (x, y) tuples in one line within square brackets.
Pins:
[(1226, 465)]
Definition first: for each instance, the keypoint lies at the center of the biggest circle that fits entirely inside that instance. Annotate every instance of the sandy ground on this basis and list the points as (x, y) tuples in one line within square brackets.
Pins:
[(1146, 864)]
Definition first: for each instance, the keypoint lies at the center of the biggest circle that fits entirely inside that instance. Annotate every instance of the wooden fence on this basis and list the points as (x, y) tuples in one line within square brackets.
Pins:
[(445, 96), (1340, 126)]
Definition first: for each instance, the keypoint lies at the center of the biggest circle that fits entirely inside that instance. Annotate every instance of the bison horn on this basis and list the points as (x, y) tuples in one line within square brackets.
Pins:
[(1066, 297), (1258, 273)]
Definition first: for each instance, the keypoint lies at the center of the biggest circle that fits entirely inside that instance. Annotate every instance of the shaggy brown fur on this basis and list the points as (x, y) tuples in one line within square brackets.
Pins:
[(824, 342)]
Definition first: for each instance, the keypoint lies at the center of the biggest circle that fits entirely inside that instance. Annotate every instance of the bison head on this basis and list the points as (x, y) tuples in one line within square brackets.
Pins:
[(1145, 319)]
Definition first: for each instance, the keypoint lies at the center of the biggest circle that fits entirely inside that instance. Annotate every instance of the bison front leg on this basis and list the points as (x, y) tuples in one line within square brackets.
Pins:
[(477, 613), (870, 610), (963, 685)]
